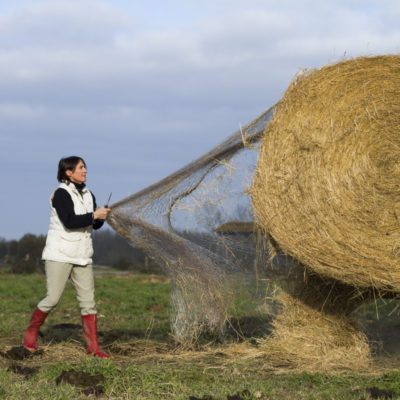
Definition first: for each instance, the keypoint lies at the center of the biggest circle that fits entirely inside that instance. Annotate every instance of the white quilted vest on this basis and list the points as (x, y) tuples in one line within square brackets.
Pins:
[(66, 245)]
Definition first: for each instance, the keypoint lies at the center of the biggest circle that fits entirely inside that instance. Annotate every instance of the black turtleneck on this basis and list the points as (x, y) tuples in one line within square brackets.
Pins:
[(64, 206)]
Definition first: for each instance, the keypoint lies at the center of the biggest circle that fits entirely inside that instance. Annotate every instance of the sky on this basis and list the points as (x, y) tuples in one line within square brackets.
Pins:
[(141, 88)]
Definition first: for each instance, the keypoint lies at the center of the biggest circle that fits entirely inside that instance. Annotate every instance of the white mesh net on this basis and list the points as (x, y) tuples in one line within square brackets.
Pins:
[(197, 224)]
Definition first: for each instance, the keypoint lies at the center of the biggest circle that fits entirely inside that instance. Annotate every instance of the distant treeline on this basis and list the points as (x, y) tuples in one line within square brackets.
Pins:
[(24, 255), (112, 250)]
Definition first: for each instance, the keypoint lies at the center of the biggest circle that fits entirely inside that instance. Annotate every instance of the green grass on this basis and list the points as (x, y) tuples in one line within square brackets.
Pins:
[(136, 312)]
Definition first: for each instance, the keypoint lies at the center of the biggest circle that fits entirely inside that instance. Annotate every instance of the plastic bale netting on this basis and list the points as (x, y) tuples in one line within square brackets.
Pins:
[(198, 225)]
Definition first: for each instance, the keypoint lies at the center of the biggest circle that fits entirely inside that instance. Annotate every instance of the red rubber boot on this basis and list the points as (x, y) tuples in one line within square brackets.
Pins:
[(89, 325), (32, 331)]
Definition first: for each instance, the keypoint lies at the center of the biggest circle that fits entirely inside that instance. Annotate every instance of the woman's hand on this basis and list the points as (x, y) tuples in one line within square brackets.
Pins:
[(101, 212)]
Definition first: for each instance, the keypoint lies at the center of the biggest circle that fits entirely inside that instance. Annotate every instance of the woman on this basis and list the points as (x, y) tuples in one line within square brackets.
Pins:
[(68, 251)]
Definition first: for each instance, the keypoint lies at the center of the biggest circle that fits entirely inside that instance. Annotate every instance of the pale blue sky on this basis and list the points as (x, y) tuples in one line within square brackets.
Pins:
[(140, 88)]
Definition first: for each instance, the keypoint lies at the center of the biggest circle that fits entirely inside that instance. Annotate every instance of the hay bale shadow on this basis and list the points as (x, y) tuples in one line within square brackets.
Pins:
[(117, 335), (66, 332), (61, 333), (248, 327), (383, 336)]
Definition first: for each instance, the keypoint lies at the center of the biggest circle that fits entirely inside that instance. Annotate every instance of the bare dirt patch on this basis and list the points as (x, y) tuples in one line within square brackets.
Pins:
[(89, 384), (377, 393), (27, 372), (20, 353)]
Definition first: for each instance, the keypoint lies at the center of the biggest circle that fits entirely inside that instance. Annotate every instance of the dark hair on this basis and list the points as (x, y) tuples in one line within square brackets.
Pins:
[(67, 163)]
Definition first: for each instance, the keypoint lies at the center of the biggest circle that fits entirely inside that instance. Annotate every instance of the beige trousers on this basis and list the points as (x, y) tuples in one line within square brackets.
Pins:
[(57, 274)]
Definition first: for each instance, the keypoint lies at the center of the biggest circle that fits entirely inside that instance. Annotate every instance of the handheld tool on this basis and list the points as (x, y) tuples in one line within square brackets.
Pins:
[(108, 201)]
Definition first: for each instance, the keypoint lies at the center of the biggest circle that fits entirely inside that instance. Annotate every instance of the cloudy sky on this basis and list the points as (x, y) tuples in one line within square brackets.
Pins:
[(140, 88)]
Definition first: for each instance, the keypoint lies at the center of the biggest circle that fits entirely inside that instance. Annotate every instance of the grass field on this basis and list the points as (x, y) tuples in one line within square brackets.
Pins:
[(145, 362)]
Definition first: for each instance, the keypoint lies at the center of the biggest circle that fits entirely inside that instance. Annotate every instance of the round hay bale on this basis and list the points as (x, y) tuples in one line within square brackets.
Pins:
[(327, 184)]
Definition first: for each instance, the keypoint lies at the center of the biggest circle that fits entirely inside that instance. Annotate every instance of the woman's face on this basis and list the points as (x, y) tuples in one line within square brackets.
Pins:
[(78, 175)]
